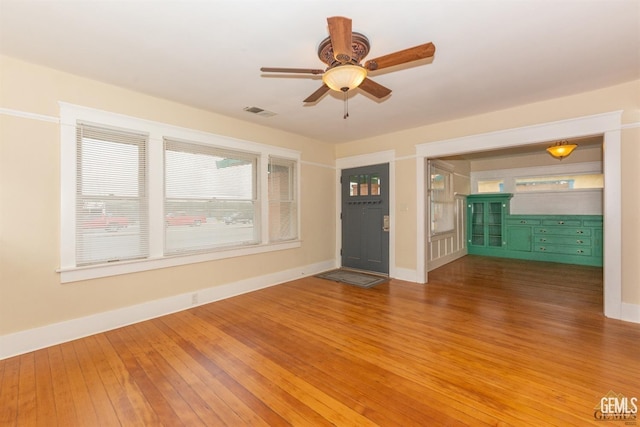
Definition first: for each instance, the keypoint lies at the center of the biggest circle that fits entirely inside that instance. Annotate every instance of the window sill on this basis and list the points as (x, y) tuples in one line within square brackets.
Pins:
[(76, 274)]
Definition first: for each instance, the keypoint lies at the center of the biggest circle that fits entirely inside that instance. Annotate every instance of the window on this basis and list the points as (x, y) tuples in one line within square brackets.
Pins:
[(364, 185), (583, 177), (210, 197), (111, 203), (283, 215), (491, 186), (560, 182), (442, 203), (138, 195)]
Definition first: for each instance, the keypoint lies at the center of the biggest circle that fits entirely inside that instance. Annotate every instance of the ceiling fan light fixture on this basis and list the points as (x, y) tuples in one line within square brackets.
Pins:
[(343, 78), (561, 149)]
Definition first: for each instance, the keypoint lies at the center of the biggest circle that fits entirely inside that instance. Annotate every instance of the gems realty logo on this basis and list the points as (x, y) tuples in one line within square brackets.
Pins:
[(617, 407)]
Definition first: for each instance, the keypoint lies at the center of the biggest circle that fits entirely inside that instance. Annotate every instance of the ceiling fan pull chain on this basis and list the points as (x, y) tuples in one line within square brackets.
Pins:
[(346, 105)]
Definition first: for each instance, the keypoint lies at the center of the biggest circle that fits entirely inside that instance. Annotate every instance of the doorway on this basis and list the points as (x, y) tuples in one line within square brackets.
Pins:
[(365, 218), (606, 124)]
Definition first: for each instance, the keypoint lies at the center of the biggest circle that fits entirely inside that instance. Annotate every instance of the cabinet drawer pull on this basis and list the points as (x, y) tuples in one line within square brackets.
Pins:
[(580, 251), (542, 239), (560, 222), (543, 248), (580, 231), (579, 241), (522, 221)]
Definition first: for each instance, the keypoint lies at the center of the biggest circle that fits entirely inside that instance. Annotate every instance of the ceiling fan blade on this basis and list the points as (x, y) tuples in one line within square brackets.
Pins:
[(291, 70), (317, 94), (340, 33), (374, 88), (401, 57)]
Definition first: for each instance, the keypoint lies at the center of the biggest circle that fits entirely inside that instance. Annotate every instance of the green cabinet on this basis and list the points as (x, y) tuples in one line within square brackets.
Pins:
[(486, 223), (493, 231), (568, 239)]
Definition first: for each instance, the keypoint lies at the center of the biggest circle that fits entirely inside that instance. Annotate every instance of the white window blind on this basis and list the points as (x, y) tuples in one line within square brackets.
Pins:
[(111, 202), (210, 197), (283, 212)]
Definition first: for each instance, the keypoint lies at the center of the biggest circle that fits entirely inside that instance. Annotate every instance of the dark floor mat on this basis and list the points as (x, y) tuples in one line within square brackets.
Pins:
[(355, 278)]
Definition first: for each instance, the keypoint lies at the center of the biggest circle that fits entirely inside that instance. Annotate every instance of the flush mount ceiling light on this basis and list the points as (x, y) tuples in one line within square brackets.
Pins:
[(561, 149)]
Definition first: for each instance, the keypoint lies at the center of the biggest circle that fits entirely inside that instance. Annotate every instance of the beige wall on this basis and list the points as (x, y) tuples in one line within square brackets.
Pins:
[(624, 97), (580, 155), (31, 294)]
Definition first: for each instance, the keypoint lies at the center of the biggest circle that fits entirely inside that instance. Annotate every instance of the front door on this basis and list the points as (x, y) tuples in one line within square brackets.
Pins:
[(365, 218)]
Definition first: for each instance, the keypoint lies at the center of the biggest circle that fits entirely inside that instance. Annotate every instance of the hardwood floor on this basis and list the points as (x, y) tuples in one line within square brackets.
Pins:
[(487, 342)]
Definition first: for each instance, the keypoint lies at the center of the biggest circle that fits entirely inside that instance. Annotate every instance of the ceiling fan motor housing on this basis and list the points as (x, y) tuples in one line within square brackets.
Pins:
[(359, 45)]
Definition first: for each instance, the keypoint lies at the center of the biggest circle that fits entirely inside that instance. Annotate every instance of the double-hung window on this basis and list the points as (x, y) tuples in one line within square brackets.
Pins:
[(138, 195), (441, 196), (210, 197), (283, 215), (111, 200)]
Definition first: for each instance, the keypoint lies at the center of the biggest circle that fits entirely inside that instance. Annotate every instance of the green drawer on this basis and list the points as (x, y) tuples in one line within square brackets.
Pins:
[(562, 231), (562, 249), (562, 240), (516, 221), (564, 222)]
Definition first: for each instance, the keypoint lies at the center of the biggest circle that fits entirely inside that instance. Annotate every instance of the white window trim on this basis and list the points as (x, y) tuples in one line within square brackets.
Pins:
[(69, 116)]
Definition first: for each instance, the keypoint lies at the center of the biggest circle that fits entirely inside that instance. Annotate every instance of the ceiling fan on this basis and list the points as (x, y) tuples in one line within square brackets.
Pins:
[(342, 51)]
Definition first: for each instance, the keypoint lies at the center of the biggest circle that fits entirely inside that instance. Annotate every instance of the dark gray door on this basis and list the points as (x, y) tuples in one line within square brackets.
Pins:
[(365, 218)]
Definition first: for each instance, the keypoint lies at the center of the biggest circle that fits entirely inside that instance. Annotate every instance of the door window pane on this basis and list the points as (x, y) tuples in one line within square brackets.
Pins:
[(364, 185), (353, 185), (375, 185)]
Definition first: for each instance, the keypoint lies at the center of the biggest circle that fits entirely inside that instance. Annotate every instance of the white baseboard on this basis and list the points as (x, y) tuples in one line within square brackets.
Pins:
[(630, 312), (407, 274), (33, 339), (432, 265)]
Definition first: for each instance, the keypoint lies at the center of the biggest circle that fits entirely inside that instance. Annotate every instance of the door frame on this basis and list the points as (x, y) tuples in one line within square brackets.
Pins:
[(607, 124), (388, 156)]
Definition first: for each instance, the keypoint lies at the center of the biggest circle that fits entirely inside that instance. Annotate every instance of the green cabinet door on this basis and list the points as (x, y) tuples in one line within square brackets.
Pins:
[(476, 224), (486, 223), (519, 238)]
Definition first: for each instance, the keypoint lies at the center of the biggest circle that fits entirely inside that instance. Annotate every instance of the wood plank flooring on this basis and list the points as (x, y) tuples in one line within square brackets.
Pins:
[(487, 342)]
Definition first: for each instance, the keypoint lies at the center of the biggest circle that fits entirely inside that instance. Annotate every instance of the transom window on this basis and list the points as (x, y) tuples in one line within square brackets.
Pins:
[(560, 182)]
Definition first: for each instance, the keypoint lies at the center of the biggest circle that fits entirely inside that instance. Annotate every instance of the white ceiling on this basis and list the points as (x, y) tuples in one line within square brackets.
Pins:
[(489, 55)]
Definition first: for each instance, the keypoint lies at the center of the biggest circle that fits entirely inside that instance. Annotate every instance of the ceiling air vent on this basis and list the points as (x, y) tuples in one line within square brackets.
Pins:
[(259, 111)]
